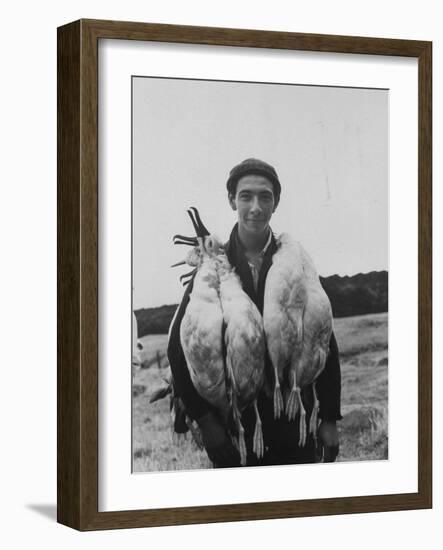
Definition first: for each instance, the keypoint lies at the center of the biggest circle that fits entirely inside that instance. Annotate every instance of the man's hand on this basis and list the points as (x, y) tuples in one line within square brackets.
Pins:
[(328, 440), (217, 442)]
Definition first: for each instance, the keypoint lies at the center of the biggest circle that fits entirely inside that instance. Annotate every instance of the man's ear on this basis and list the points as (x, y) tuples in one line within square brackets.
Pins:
[(231, 199)]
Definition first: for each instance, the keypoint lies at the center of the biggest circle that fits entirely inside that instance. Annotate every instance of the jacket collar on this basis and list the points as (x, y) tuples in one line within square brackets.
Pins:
[(237, 258)]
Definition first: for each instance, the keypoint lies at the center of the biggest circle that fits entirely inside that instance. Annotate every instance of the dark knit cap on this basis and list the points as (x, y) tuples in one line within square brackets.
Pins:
[(253, 166)]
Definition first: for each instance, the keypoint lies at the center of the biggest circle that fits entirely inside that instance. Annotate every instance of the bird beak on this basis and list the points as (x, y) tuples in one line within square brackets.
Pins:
[(181, 239), (186, 277), (200, 229), (178, 263)]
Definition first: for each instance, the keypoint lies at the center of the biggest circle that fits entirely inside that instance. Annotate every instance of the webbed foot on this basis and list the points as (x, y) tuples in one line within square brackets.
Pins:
[(242, 446), (313, 421), (292, 403), (278, 401), (302, 438), (258, 444)]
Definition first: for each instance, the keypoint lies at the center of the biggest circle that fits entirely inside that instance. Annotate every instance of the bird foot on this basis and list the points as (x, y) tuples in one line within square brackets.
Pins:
[(302, 430), (242, 448), (313, 421), (292, 404), (278, 402), (258, 444)]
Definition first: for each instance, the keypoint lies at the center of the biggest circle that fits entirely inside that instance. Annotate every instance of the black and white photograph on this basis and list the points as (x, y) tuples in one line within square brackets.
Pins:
[(260, 260), (219, 225)]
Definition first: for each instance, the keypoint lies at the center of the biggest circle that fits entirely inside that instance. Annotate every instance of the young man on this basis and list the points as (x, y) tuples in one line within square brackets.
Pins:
[(254, 193)]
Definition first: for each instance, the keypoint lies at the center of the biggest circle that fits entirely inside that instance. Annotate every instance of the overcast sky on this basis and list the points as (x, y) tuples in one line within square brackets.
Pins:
[(328, 145)]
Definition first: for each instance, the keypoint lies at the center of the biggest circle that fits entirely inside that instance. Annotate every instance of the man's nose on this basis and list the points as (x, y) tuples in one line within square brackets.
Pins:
[(255, 206)]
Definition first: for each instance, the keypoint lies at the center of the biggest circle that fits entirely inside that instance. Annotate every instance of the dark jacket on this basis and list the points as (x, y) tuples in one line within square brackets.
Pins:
[(328, 383)]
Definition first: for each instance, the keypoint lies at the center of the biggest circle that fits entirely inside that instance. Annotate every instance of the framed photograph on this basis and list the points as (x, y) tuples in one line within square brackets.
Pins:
[(282, 366)]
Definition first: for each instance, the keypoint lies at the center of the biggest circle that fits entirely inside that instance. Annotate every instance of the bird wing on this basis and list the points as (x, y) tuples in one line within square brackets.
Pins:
[(245, 353), (279, 322), (317, 326), (201, 338)]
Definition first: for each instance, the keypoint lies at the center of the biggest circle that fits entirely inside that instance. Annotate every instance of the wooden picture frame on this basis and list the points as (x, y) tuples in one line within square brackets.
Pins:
[(77, 455)]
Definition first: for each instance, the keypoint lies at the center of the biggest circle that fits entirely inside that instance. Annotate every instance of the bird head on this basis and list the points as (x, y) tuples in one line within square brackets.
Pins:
[(207, 243), (204, 243)]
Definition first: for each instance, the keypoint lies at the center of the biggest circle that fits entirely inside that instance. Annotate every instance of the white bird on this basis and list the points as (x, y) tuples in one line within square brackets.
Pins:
[(244, 357), (202, 325), (298, 325), (245, 352), (283, 305)]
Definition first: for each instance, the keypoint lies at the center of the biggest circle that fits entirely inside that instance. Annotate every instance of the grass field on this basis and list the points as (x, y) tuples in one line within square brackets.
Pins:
[(363, 344)]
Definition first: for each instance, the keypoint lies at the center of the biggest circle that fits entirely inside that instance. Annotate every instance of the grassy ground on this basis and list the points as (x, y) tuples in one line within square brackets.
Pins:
[(155, 447), (363, 344)]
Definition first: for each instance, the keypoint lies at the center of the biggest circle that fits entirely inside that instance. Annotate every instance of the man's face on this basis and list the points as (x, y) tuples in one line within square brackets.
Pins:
[(254, 203)]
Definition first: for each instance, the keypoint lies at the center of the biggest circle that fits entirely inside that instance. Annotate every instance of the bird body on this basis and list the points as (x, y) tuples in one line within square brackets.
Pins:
[(284, 301), (201, 337), (317, 326), (245, 351), (298, 326)]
